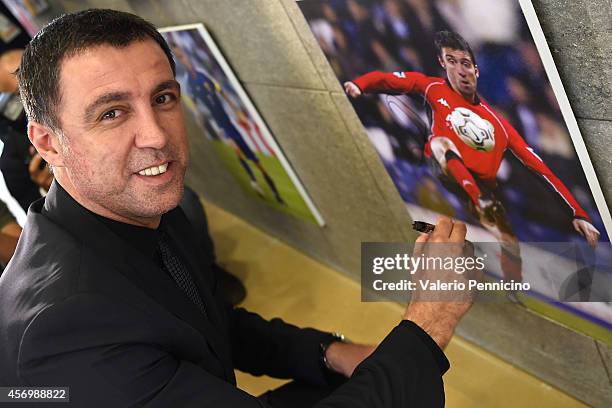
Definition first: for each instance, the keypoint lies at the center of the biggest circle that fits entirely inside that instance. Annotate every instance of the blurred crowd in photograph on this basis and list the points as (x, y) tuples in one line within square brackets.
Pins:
[(359, 36)]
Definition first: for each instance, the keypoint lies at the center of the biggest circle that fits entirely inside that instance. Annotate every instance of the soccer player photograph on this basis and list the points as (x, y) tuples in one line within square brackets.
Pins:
[(210, 94), (468, 140)]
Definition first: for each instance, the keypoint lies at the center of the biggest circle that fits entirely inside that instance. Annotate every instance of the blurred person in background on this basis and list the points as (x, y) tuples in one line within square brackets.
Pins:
[(26, 174), (9, 235)]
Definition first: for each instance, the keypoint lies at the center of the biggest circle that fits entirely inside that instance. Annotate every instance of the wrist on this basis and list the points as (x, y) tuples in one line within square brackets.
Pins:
[(331, 361), (330, 341), (439, 328), (330, 358)]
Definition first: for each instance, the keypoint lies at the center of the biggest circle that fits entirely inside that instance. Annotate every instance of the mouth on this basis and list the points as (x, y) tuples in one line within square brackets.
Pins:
[(154, 170)]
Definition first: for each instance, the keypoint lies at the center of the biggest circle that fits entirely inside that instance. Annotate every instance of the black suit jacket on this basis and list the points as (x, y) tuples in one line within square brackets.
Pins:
[(79, 307)]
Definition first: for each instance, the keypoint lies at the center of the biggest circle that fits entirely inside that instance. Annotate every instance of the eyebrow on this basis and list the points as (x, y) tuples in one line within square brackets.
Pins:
[(90, 110), (169, 84), (104, 99), (464, 59)]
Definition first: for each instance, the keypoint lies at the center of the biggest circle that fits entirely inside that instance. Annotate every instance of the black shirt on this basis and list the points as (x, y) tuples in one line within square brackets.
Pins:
[(143, 239)]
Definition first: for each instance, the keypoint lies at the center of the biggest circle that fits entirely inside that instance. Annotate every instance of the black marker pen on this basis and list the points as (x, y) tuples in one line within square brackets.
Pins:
[(422, 226), (427, 228)]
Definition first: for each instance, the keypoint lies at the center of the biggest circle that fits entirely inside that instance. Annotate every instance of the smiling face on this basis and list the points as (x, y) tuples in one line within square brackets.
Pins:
[(461, 71), (123, 152)]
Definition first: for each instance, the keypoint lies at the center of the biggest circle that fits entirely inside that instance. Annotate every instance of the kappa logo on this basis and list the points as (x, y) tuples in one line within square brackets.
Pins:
[(443, 102)]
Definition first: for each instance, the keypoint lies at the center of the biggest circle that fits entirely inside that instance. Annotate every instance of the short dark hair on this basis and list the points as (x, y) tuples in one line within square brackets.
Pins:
[(67, 36), (452, 40)]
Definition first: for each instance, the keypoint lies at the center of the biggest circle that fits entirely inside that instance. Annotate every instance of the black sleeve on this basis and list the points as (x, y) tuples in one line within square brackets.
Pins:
[(99, 349), (275, 348), (405, 371), (91, 344)]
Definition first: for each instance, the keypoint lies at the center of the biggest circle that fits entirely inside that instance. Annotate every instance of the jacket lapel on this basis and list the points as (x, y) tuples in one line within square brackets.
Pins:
[(179, 230)]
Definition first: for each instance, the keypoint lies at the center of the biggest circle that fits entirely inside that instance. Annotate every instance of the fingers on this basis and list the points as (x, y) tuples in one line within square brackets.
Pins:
[(422, 238), (459, 231), (587, 230), (351, 89), (443, 229), (592, 238), (578, 226)]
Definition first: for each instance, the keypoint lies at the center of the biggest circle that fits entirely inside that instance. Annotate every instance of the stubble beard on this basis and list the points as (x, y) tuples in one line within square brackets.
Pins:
[(126, 201)]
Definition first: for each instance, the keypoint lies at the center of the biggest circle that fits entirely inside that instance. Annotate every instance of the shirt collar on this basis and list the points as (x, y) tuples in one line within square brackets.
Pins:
[(143, 239)]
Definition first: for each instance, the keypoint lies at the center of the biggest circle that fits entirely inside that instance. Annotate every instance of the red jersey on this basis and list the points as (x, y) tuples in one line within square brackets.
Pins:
[(481, 135)]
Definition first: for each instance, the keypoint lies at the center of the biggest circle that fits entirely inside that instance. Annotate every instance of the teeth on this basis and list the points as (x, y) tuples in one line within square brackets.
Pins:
[(154, 171)]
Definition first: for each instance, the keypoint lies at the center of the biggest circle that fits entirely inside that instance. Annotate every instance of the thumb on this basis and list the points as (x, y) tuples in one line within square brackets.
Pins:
[(420, 243)]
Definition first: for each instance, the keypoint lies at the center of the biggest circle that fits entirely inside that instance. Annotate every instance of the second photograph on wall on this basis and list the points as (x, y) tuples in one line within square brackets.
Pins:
[(227, 118), (462, 102)]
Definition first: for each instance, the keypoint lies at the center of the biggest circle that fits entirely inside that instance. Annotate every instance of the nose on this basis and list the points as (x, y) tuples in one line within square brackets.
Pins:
[(150, 133)]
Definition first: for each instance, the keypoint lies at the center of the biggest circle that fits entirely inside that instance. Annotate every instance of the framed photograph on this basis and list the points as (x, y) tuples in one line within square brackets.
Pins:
[(464, 105), (228, 119)]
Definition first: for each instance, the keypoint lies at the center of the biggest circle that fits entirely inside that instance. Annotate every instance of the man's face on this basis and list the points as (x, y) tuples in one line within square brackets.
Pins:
[(124, 152), (461, 71)]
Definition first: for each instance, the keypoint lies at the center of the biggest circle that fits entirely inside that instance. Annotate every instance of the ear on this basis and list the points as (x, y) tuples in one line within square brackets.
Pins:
[(476, 71), (442, 64), (46, 143)]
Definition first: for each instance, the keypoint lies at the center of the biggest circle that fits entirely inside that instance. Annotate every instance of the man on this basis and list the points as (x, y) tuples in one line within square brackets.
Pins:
[(468, 140), (25, 175), (210, 94), (108, 292)]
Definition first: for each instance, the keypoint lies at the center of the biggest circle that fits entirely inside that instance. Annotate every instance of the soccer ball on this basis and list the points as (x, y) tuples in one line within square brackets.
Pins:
[(476, 132)]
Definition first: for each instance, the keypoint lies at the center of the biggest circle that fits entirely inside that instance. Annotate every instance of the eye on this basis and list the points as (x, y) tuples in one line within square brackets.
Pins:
[(111, 114), (165, 98)]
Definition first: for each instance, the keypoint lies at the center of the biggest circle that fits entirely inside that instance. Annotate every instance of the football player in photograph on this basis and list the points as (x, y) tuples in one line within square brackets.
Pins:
[(468, 139), (209, 93)]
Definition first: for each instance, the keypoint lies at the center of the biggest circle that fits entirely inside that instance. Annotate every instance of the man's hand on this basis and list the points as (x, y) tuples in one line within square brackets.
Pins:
[(587, 230), (42, 177), (352, 90), (439, 318), (345, 357)]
